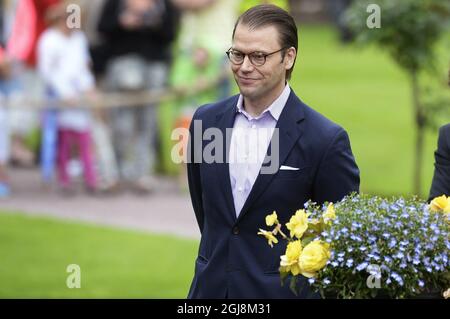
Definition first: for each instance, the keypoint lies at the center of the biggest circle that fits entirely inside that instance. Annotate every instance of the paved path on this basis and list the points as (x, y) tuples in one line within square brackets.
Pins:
[(167, 210)]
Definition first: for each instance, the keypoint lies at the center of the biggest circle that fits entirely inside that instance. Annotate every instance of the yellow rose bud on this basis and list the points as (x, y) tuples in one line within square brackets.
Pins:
[(269, 236), (330, 214), (298, 223), (272, 219), (289, 261), (313, 258)]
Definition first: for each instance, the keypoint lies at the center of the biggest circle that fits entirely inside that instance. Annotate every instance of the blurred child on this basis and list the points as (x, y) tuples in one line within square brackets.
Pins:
[(63, 62), (4, 127)]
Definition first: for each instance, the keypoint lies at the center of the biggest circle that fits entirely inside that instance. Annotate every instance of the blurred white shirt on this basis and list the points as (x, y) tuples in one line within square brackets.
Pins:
[(63, 64)]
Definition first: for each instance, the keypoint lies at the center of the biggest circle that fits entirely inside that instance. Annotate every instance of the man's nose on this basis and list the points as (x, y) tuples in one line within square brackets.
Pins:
[(247, 65)]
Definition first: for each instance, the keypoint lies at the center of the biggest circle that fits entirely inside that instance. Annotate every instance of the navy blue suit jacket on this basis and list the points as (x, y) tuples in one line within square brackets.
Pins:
[(233, 261), (441, 179)]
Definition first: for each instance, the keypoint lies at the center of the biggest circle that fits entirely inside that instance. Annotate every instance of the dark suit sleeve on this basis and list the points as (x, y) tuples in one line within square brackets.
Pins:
[(193, 172), (441, 180), (338, 174)]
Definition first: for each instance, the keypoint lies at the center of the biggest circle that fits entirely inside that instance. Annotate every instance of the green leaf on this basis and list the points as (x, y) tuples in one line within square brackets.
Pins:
[(293, 285), (307, 240), (283, 276)]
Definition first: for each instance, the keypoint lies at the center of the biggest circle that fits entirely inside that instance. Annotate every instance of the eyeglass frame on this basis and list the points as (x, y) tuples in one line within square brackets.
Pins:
[(265, 55)]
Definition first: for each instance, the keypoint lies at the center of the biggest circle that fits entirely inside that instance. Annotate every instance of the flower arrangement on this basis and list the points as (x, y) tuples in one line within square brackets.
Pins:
[(367, 246)]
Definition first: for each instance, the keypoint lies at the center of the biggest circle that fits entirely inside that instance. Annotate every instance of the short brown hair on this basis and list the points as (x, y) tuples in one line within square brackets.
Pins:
[(270, 15)]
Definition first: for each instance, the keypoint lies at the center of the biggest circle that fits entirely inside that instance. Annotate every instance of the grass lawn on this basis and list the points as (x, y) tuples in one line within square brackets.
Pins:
[(35, 252), (365, 92)]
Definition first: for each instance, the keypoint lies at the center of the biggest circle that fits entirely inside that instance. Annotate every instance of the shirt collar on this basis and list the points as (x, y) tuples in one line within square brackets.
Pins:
[(274, 109)]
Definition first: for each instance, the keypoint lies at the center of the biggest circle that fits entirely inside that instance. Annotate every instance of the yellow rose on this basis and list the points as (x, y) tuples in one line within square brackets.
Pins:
[(313, 258), (440, 204), (272, 219), (330, 214), (289, 261), (298, 223), (269, 236)]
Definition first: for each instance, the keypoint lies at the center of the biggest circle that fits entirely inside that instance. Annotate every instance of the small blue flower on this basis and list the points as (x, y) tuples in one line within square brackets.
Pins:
[(362, 266), (372, 239), (397, 278), (392, 243), (404, 243), (349, 262), (399, 255)]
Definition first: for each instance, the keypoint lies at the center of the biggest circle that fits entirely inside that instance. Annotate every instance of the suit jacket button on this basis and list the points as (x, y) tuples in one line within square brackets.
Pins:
[(236, 230)]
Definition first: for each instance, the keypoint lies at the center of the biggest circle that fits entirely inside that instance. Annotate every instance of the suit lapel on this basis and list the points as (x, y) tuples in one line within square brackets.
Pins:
[(225, 121), (289, 132)]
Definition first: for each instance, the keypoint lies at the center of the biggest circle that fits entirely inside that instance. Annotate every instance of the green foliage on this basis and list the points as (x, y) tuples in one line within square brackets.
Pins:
[(409, 29)]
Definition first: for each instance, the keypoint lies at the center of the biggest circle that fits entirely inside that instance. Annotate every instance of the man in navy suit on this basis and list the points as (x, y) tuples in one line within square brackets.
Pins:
[(441, 180), (268, 127)]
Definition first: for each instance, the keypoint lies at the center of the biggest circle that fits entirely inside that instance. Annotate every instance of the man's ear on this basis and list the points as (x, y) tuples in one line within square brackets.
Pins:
[(289, 58)]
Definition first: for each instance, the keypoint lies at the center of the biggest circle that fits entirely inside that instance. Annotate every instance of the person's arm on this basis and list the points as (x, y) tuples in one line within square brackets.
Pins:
[(193, 172), (441, 179), (338, 174)]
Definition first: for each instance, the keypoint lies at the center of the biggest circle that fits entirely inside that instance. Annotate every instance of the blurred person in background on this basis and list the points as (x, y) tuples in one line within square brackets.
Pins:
[(337, 10), (22, 25), (200, 72), (106, 165), (21, 22), (63, 62), (138, 36), (4, 129)]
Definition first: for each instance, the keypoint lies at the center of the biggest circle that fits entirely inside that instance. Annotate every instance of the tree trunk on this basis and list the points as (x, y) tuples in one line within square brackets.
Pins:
[(420, 126)]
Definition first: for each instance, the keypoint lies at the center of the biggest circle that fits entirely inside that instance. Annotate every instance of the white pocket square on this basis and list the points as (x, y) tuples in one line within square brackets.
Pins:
[(288, 168)]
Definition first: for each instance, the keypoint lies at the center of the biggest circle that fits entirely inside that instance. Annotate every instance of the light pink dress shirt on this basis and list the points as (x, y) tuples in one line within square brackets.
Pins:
[(249, 143)]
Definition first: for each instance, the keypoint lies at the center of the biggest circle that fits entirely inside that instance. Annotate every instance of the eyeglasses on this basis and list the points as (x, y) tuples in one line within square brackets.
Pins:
[(256, 58)]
